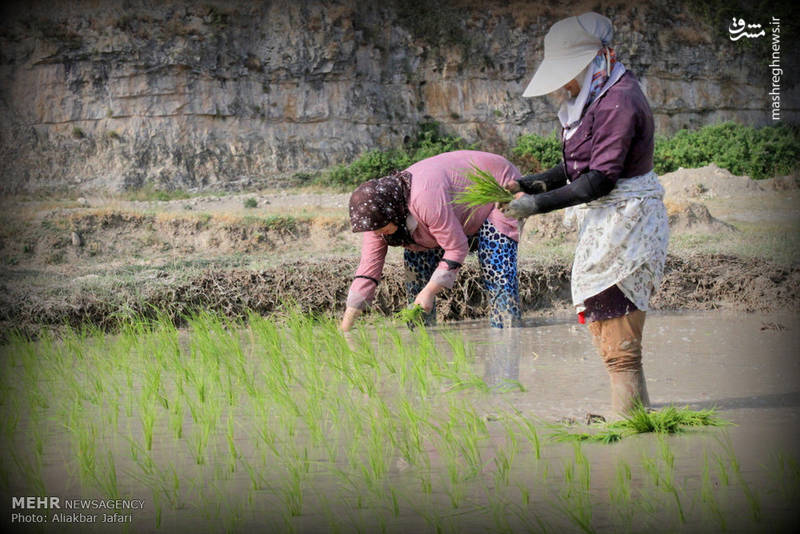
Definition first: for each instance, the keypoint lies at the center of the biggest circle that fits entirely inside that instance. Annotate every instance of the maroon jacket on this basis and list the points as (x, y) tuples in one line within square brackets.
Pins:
[(615, 135)]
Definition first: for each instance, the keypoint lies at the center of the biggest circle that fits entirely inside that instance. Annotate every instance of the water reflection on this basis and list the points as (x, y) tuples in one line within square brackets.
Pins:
[(502, 359)]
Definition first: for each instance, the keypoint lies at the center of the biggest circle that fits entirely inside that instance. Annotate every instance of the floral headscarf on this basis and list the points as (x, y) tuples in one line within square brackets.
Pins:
[(381, 201)]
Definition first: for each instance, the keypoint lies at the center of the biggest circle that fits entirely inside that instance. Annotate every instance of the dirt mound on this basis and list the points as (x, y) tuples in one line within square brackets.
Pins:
[(683, 217), (706, 182), (703, 282), (694, 217), (101, 234), (548, 226), (712, 282)]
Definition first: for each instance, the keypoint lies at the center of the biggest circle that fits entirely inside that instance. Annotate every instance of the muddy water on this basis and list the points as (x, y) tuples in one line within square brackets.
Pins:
[(747, 367), (744, 365)]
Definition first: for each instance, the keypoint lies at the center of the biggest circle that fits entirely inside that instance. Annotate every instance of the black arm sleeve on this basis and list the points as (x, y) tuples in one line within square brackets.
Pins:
[(589, 186), (544, 181)]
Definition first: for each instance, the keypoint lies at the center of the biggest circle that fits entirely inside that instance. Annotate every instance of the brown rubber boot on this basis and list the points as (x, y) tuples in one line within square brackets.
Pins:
[(627, 387), (619, 341)]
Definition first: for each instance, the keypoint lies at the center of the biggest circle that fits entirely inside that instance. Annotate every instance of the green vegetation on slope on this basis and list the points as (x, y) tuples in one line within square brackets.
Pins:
[(429, 141), (743, 150)]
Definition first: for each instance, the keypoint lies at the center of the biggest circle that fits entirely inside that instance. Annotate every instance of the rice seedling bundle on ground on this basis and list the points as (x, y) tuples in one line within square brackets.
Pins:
[(283, 422), (640, 420)]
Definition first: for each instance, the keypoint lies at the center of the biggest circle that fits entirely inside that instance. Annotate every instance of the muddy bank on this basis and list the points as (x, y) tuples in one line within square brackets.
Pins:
[(701, 282)]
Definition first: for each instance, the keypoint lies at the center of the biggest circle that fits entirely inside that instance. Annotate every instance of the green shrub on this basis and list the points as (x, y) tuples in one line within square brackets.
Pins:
[(757, 152), (250, 202), (370, 164), (535, 153), (429, 141), (743, 150)]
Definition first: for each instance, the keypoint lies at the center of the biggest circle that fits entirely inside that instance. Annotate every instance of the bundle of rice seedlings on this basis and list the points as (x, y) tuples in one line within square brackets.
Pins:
[(484, 189), (640, 420), (411, 315)]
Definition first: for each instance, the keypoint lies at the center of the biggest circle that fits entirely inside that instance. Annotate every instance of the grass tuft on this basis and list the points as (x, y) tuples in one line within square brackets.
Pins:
[(411, 315), (640, 420)]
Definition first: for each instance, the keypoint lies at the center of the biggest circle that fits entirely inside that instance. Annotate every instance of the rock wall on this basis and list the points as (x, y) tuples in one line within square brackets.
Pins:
[(110, 95)]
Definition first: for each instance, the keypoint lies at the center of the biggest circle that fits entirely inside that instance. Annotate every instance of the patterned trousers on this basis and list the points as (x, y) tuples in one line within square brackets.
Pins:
[(497, 256)]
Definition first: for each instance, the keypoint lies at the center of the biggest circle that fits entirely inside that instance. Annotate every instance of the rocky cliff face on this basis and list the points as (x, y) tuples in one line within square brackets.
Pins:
[(114, 95)]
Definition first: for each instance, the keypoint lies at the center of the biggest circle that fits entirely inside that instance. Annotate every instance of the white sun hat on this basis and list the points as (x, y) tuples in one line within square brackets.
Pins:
[(569, 46)]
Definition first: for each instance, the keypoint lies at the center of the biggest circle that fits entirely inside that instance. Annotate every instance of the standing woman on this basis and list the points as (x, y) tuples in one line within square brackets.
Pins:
[(607, 174), (414, 209)]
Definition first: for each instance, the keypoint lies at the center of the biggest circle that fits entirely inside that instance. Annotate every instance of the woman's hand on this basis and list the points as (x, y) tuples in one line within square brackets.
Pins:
[(425, 299), (426, 296), (513, 187), (521, 207), (350, 315)]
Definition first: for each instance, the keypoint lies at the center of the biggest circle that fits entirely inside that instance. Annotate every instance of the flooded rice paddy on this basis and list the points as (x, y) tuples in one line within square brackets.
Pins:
[(289, 426)]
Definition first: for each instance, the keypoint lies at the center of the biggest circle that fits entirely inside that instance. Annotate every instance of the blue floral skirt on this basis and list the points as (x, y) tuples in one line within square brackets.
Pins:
[(497, 256)]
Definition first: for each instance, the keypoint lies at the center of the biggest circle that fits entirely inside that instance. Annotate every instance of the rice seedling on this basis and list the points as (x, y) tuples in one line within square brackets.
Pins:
[(107, 481), (411, 316), (722, 470), (528, 429), (708, 497), (200, 438), (148, 418), (234, 454), (176, 417), (661, 470), (620, 495), (141, 457), (668, 475), (482, 190), (498, 507), (31, 470), (378, 453), (528, 514), (410, 438), (751, 495), (474, 431), (502, 464), (784, 470), (86, 450), (425, 483), (293, 489), (585, 468), (639, 420), (390, 422), (574, 499), (158, 509)]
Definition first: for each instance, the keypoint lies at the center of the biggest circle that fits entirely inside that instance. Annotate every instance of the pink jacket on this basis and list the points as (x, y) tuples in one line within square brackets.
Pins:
[(440, 223)]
